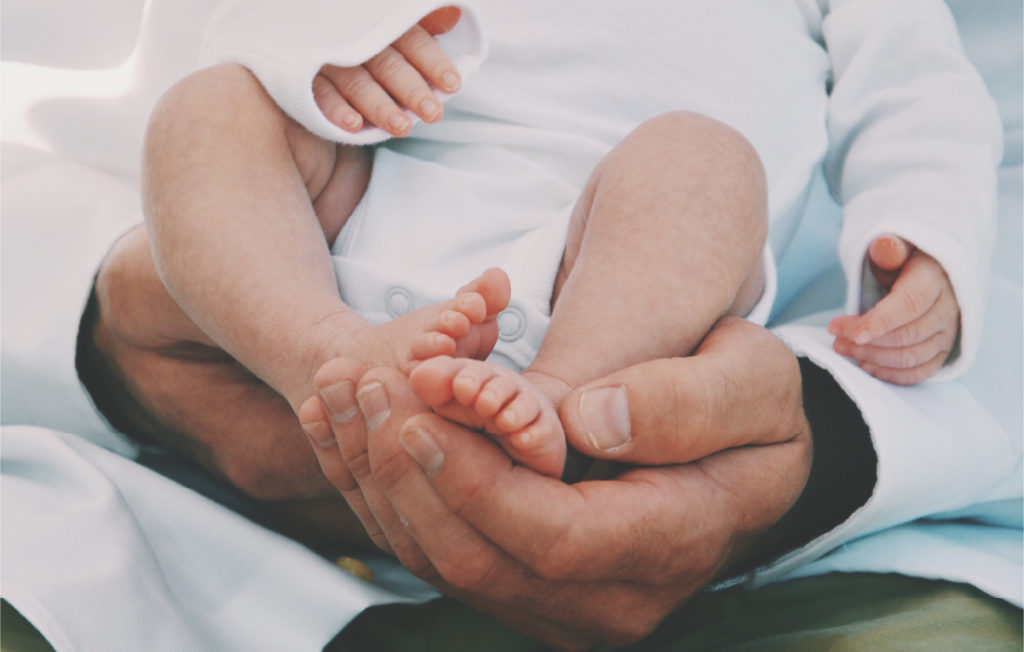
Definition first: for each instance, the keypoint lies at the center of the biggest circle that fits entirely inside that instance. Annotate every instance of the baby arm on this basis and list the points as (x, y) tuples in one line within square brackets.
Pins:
[(397, 77), (908, 335)]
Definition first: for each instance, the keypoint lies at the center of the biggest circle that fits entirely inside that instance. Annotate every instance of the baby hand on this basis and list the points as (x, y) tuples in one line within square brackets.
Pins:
[(907, 336), (394, 79)]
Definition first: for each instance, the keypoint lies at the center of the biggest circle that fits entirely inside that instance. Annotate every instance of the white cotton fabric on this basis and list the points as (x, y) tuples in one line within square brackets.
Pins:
[(101, 553)]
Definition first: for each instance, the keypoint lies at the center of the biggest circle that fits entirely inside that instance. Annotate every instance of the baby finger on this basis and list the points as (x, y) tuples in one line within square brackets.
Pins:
[(910, 376), (333, 105), (902, 357), (405, 83), (359, 88), (421, 50)]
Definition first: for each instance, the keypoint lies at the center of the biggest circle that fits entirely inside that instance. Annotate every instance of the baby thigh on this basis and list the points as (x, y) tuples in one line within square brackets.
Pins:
[(668, 233)]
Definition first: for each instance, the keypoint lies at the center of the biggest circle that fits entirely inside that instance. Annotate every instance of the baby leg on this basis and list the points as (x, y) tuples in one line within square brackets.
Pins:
[(666, 239)]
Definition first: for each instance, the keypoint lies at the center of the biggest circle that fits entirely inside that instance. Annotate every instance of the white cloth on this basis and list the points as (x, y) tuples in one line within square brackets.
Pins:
[(949, 476), (912, 154)]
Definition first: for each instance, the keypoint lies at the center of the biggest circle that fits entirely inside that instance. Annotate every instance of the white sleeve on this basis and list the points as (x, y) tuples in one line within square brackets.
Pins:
[(916, 140), (939, 452), (285, 44)]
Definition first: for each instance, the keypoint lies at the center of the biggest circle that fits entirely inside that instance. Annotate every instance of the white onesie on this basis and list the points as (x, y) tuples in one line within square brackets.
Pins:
[(909, 154)]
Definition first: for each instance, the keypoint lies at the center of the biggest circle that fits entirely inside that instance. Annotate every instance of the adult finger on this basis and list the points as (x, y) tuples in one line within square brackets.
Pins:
[(742, 386), (913, 294), (471, 566), (330, 419), (653, 526), (382, 413), (421, 50), (365, 94), (441, 21)]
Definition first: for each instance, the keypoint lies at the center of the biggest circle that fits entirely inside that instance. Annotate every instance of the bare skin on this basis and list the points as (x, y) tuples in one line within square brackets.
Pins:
[(548, 558), (909, 334), (664, 241), (213, 212), (430, 503)]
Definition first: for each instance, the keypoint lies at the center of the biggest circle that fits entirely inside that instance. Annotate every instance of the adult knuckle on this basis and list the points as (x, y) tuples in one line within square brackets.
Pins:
[(471, 573), (559, 560), (357, 460), (390, 472)]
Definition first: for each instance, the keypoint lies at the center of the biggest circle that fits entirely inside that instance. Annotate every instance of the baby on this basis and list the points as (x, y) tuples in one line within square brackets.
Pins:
[(666, 238)]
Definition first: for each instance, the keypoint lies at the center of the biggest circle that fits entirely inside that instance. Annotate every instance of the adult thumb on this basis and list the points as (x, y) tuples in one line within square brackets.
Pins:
[(742, 386)]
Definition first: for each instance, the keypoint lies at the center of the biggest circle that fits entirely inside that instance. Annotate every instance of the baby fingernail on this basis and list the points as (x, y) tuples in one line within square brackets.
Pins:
[(398, 122), (605, 415), (351, 121), (429, 108), (375, 404), (450, 81), (422, 448), (340, 399)]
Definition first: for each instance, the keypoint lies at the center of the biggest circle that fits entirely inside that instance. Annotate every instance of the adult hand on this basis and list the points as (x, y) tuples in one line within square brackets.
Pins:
[(156, 376), (574, 565)]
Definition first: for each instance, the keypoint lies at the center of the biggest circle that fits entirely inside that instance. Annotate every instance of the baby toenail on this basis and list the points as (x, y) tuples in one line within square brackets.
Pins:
[(340, 399), (375, 404)]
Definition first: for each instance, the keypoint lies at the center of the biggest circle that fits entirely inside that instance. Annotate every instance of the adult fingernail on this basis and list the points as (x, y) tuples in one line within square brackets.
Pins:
[(320, 433), (605, 415), (429, 108), (375, 404), (340, 399), (421, 447), (450, 80)]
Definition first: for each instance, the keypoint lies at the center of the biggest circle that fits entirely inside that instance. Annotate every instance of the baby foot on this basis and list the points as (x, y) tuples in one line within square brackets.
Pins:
[(464, 326), (514, 408)]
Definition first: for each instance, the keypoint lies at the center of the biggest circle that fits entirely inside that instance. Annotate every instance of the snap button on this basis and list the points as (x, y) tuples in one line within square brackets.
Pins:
[(511, 324), (398, 301)]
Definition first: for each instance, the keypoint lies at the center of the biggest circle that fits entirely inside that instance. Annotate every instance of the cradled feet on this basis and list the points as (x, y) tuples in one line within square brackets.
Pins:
[(465, 325), (512, 407)]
